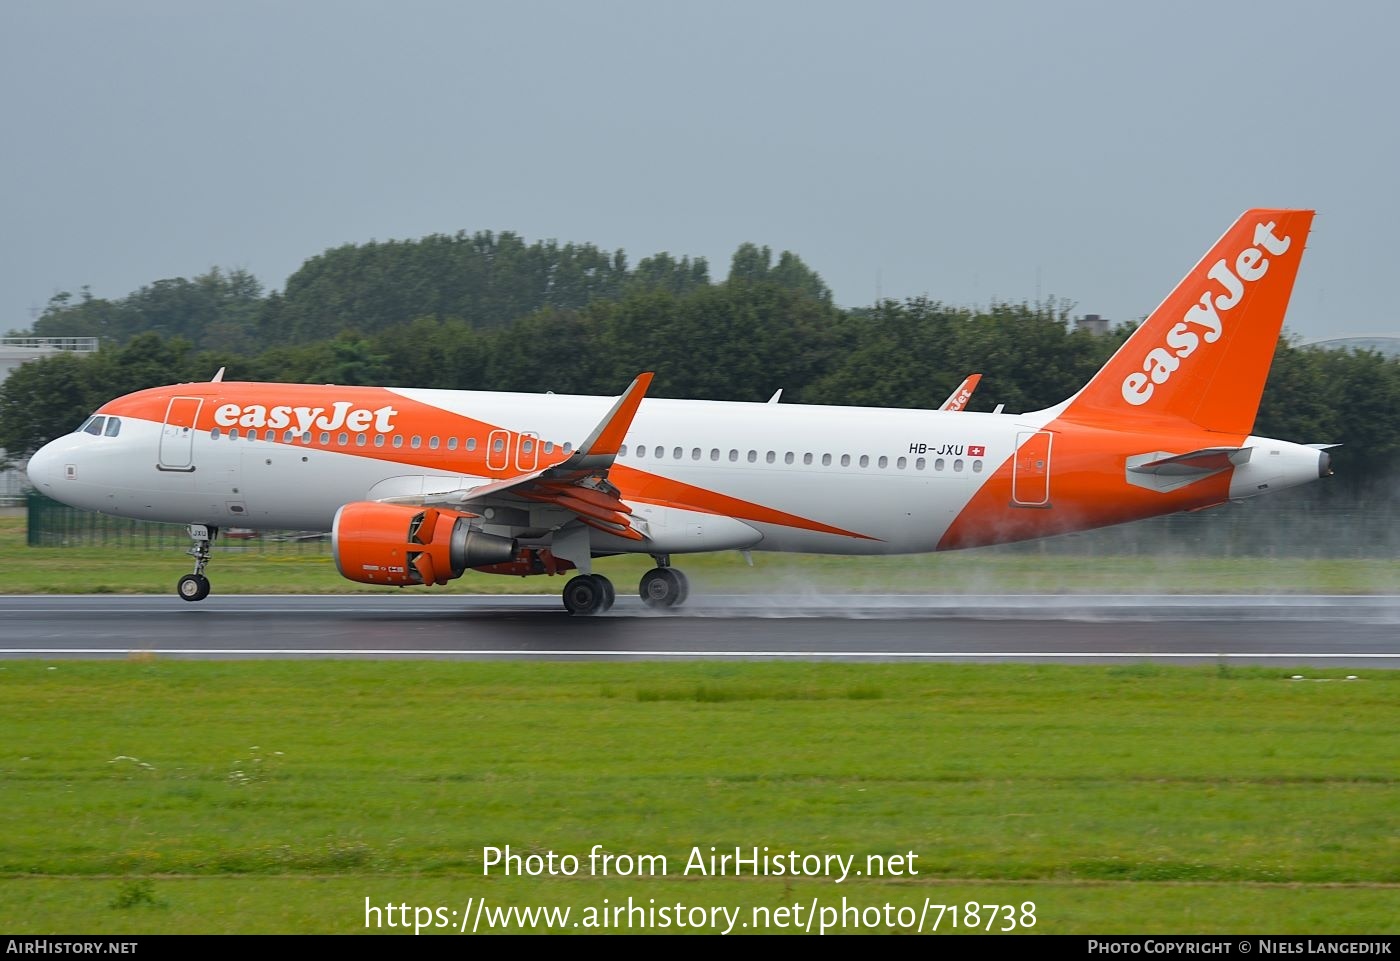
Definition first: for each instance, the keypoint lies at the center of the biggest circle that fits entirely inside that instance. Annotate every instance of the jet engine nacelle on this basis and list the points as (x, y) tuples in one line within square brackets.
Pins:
[(392, 544)]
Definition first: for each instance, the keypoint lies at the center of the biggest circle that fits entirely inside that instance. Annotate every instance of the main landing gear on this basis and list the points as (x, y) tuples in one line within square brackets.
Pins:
[(589, 594), (661, 587), (195, 587)]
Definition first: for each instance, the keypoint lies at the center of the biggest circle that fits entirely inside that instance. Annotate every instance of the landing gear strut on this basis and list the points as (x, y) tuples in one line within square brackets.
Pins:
[(663, 585), (589, 594), (195, 587)]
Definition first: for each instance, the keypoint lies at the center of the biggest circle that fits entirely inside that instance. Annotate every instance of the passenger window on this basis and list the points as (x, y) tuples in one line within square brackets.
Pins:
[(451, 443), (549, 447), (958, 464), (498, 445), (416, 442), (753, 457), (216, 433), (378, 440), (826, 460), (526, 447), (714, 453), (287, 437), (977, 467), (471, 443), (695, 454), (398, 440), (114, 427), (884, 462), (940, 464), (864, 460), (733, 455), (772, 457), (233, 433), (360, 440), (920, 464), (343, 439), (432, 443), (325, 437), (788, 458), (641, 450), (678, 453), (807, 458), (902, 463), (845, 460)]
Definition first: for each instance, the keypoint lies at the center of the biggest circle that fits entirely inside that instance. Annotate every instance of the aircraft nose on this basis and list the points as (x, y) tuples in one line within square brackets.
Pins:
[(45, 469)]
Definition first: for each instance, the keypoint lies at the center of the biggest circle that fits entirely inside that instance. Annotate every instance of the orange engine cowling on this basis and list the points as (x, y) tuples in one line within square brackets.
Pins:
[(392, 544)]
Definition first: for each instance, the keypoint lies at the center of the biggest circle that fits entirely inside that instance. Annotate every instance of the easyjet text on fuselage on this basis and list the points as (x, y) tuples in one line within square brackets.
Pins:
[(342, 413)]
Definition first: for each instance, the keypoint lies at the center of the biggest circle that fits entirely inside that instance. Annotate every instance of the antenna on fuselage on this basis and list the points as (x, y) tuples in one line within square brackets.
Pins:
[(218, 378)]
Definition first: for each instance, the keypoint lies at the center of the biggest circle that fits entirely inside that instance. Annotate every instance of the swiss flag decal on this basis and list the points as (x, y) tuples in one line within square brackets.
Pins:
[(976, 451)]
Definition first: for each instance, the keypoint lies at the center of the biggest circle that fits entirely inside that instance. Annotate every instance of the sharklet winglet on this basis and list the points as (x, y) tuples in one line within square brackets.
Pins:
[(600, 449)]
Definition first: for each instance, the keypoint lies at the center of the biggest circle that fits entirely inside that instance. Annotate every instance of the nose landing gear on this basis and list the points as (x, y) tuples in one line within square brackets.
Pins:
[(195, 587)]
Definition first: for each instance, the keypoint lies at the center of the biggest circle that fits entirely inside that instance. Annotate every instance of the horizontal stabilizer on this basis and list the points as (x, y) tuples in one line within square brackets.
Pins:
[(1207, 460), (1162, 471)]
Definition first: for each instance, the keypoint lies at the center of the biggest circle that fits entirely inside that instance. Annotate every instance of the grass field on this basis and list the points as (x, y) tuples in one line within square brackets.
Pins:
[(152, 796)]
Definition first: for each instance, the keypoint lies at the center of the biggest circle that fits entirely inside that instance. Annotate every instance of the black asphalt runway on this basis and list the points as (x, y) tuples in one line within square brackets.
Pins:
[(1277, 630)]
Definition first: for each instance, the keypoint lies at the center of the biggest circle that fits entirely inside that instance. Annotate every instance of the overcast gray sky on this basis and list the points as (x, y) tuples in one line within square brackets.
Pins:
[(967, 151)]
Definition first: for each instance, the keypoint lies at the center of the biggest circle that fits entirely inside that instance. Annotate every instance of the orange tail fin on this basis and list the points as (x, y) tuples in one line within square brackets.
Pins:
[(1204, 353)]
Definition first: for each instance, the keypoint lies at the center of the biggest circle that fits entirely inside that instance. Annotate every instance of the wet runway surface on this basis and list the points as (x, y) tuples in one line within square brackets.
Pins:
[(1361, 631)]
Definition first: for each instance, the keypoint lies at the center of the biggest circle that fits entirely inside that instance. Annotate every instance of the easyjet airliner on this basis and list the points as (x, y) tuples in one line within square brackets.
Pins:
[(420, 486)]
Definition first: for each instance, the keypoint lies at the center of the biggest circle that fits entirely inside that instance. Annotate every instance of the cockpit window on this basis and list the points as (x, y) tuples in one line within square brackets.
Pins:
[(94, 426), (114, 427)]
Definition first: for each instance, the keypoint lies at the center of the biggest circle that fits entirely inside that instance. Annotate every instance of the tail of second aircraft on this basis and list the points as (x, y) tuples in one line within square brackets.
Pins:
[(1203, 355)]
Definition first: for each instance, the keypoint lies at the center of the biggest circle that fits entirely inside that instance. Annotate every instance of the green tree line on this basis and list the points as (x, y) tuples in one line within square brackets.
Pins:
[(484, 280), (489, 312)]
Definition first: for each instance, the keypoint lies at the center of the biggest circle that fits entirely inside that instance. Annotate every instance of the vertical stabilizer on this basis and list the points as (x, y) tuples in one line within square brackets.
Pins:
[(1203, 355)]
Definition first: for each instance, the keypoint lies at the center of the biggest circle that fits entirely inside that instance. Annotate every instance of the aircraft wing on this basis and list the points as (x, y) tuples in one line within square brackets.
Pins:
[(578, 484)]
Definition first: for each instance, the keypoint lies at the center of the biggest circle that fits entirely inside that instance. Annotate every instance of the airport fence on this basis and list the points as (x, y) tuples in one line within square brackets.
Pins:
[(51, 524), (1283, 525)]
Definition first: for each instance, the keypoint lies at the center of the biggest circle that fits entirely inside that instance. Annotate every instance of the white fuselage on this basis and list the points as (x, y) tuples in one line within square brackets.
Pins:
[(703, 475), (895, 477)]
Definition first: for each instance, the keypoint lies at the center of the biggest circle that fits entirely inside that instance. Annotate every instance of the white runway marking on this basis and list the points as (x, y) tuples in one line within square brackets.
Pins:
[(502, 652)]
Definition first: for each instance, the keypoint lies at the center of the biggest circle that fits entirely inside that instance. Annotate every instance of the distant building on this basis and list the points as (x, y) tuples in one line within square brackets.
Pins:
[(1387, 346), (1093, 323), (13, 352)]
